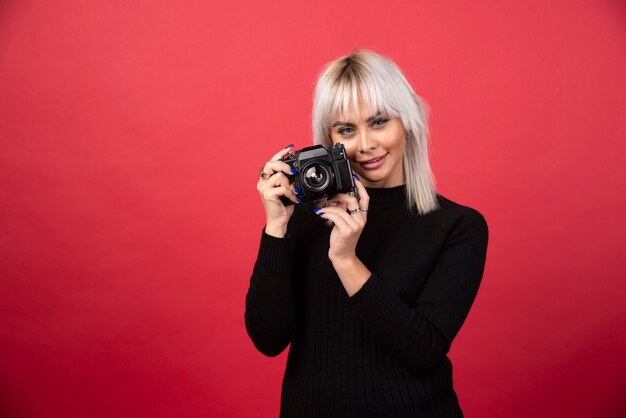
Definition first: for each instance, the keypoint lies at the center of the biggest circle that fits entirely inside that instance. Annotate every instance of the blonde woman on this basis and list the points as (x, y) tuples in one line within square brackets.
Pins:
[(372, 304)]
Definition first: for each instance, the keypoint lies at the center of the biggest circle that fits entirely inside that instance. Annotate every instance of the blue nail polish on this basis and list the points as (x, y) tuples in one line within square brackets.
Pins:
[(297, 190), (289, 146), (316, 210), (356, 177), (321, 213), (293, 171), (299, 200)]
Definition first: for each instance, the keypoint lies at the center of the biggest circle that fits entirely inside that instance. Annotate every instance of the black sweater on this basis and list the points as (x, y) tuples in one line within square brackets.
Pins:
[(383, 351)]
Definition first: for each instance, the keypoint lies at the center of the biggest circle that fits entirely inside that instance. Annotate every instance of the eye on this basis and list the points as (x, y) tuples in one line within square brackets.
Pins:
[(380, 122), (345, 131)]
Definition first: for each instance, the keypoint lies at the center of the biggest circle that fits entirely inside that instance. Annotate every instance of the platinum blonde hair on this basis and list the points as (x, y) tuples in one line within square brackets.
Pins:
[(380, 82)]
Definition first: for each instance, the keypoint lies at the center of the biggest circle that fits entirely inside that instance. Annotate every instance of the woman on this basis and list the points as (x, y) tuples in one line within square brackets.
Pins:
[(371, 305)]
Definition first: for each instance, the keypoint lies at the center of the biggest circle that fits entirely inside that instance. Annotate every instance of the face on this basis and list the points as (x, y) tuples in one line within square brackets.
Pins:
[(374, 144)]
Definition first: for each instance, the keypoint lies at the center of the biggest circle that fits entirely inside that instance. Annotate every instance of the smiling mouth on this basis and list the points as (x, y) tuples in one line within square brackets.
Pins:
[(372, 160), (373, 163)]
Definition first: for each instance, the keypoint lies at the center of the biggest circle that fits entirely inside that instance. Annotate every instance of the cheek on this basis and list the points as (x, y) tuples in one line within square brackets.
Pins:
[(401, 144), (399, 141)]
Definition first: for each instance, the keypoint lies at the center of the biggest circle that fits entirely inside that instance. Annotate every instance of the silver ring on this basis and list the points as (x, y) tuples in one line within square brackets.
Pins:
[(363, 210), (355, 210)]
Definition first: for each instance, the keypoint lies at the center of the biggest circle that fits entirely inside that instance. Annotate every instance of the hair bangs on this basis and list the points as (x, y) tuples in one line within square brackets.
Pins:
[(344, 95), (355, 85)]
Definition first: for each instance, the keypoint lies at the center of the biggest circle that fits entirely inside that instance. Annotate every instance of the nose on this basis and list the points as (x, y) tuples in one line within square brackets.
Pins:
[(366, 142)]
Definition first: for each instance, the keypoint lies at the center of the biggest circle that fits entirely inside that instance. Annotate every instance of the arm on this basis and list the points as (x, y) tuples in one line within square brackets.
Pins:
[(270, 315), (421, 334), (269, 312)]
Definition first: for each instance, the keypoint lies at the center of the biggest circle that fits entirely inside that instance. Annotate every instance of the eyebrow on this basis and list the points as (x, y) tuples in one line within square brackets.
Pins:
[(368, 120)]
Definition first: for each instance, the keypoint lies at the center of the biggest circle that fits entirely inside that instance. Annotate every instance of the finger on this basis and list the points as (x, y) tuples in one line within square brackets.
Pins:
[(272, 167), (280, 154), (338, 204), (276, 179), (349, 201), (273, 194), (276, 157), (346, 224), (364, 198)]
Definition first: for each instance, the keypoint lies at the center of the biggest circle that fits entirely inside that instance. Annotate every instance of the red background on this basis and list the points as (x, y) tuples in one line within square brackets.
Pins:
[(131, 136)]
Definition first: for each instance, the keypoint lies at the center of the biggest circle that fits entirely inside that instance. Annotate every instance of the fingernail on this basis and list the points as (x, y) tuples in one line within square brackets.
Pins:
[(289, 146), (299, 200), (297, 190), (356, 177), (293, 171), (321, 213), (316, 210)]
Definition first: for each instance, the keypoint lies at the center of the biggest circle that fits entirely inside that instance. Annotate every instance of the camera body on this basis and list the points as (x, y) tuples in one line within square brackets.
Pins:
[(321, 172)]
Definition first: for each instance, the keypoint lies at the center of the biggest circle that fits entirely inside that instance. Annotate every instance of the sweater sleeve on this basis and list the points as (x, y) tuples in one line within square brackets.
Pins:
[(420, 335), (269, 314)]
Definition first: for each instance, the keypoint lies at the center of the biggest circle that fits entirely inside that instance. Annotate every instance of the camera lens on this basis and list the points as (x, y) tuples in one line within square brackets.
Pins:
[(316, 177)]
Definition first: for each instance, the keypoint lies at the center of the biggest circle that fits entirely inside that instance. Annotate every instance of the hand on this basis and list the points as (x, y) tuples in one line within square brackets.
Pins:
[(277, 215), (348, 227)]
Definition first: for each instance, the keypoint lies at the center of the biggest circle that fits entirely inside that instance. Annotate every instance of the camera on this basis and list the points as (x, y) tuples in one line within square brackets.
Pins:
[(321, 172)]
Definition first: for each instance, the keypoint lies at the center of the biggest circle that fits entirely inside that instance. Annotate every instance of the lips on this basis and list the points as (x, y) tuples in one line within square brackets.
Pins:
[(373, 163)]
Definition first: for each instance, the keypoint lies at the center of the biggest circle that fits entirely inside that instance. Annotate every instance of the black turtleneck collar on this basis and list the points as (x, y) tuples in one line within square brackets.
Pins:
[(387, 195)]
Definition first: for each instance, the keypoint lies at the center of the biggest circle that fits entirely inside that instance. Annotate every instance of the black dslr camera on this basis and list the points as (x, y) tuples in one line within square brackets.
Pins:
[(321, 172)]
